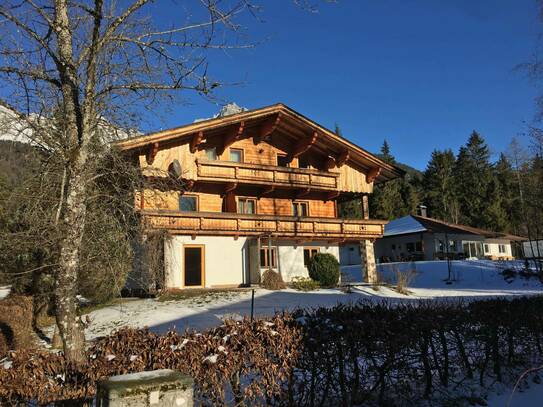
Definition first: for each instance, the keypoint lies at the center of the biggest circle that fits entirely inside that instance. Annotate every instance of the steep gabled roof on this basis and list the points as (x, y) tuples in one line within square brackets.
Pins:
[(292, 123), (416, 224)]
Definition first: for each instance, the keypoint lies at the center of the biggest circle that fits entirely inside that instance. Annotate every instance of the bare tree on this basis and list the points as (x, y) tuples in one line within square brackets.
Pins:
[(71, 66)]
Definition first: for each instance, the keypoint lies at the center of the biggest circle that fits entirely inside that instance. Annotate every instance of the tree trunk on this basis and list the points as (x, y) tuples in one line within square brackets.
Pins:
[(70, 328)]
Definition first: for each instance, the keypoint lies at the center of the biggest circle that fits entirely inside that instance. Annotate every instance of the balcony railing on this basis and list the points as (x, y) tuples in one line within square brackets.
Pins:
[(216, 170), (233, 224)]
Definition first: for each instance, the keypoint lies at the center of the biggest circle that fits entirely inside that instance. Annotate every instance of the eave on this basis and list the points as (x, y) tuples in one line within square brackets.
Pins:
[(269, 118)]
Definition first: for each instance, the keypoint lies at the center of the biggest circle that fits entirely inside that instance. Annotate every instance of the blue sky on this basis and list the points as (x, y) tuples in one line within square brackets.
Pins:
[(420, 73)]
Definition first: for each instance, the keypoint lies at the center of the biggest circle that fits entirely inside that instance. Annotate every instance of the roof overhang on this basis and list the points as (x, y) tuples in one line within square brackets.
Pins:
[(281, 118)]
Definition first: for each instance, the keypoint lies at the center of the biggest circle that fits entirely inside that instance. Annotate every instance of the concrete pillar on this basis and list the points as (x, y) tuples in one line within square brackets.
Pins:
[(160, 388), (367, 255)]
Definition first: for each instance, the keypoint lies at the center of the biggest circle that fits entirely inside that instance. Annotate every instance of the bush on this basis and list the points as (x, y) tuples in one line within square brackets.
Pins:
[(304, 284), (272, 280), (324, 268)]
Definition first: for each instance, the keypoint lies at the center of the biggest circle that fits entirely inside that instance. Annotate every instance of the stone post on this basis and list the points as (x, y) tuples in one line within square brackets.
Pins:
[(160, 388), (369, 269)]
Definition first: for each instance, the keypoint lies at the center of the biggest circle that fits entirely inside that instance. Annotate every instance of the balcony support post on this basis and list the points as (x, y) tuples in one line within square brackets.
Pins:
[(367, 255), (365, 207)]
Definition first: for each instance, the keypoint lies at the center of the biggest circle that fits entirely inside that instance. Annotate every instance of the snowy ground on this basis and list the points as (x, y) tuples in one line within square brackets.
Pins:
[(474, 280), (4, 291), (523, 397)]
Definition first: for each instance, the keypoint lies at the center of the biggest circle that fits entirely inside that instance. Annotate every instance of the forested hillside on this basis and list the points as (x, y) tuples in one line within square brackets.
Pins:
[(504, 195)]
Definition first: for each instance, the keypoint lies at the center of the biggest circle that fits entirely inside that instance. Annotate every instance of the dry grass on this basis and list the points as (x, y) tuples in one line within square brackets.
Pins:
[(197, 293), (403, 280)]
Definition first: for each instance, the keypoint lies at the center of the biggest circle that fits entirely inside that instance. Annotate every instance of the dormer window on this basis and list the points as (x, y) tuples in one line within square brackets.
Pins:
[(211, 153)]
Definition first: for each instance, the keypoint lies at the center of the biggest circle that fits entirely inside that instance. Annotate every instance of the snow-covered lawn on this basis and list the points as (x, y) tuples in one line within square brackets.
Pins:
[(474, 280)]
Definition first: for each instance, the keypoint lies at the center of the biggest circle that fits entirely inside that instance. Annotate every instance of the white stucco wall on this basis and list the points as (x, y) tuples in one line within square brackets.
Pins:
[(230, 262), (494, 250), (291, 258), (226, 260)]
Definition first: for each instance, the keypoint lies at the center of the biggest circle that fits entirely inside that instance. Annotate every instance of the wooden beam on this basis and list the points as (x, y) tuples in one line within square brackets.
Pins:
[(196, 141), (302, 192), (151, 153), (267, 190), (230, 186), (329, 163), (373, 174), (188, 183), (331, 195), (233, 134), (338, 161), (302, 146), (267, 129), (343, 158)]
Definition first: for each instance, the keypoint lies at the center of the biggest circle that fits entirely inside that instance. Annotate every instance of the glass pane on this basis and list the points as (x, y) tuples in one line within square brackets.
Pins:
[(235, 156), (193, 266), (187, 203), (263, 257), (211, 153), (304, 209), (307, 256), (250, 206), (274, 258), (240, 206)]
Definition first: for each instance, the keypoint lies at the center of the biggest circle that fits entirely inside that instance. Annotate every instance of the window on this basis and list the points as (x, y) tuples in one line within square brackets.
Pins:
[(440, 245), (501, 248), (452, 245), (303, 163), (188, 203), (246, 205), (211, 153), (264, 255), (393, 247), (282, 160), (308, 254), (410, 247), (236, 155), (299, 209), (487, 249), (418, 246)]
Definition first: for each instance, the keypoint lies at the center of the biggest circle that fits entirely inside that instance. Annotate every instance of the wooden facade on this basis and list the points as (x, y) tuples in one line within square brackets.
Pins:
[(269, 171)]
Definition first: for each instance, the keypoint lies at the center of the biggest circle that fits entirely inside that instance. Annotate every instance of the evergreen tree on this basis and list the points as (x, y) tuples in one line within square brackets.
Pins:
[(439, 188), (473, 175), (510, 200), (387, 201)]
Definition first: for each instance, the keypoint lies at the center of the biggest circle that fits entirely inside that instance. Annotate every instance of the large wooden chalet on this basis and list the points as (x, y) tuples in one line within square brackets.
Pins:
[(260, 189)]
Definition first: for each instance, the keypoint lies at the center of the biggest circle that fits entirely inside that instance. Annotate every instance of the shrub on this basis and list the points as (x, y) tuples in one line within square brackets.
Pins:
[(324, 268), (304, 284), (272, 280)]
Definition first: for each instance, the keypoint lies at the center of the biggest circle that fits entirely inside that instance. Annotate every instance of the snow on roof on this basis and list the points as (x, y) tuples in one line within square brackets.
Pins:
[(404, 225)]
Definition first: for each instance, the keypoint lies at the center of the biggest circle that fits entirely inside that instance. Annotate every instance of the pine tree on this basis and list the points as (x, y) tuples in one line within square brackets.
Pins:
[(438, 184), (473, 175), (510, 200), (387, 201)]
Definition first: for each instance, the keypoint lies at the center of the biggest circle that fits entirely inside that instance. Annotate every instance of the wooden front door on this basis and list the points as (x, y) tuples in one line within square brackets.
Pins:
[(193, 275)]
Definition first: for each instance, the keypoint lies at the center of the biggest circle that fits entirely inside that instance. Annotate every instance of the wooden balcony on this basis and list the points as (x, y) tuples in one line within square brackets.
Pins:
[(286, 177), (233, 224)]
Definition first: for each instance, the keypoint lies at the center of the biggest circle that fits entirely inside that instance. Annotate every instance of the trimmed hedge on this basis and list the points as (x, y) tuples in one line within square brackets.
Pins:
[(424, 353), (324, 268)]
